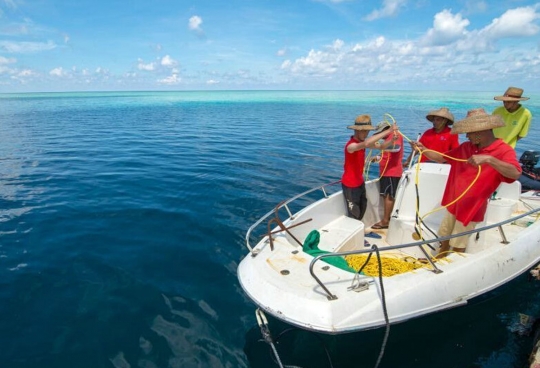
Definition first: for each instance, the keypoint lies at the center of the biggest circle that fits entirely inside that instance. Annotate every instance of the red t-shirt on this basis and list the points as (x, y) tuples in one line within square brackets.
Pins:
[(440, 142), (472, 206), (390, 164), (353, 168)]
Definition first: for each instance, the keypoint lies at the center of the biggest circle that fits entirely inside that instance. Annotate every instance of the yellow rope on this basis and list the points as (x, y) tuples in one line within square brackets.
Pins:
[(368, 164), (367, 160), (391, 264)]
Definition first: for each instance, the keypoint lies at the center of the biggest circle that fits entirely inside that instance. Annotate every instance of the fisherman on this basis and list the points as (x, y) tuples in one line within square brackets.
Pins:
[(497, 163), (439, 138), (517, 118), (390, 171), (352, 181)]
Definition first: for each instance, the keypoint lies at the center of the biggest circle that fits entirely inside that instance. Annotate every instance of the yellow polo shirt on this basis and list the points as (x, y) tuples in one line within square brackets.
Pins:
[(516, 124)]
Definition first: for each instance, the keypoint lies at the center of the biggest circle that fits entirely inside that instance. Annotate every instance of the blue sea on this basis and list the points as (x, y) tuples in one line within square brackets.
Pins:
[(123, 217)]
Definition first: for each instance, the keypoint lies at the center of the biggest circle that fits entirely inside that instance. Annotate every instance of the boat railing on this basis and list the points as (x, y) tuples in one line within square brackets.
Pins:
[(373, 249), (285, 204)]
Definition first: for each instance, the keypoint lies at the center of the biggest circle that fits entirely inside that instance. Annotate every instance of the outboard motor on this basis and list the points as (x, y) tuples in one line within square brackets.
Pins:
[(529, 159), (530, 178)]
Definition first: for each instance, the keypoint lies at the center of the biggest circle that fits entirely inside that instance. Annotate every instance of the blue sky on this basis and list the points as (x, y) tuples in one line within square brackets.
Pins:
[(115, 45)]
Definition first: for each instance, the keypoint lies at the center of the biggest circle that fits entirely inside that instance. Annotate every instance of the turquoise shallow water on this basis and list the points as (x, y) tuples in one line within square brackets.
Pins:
[(123, 216)]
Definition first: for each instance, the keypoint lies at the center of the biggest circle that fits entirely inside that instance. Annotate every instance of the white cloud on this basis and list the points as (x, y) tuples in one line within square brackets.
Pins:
[(58, 72), (26, 73), (5, 60), (337, 44), (371, 45), (26, 47), (102, 71), (195, 23), (447, 28), (168, 61), (390, 8), (212, 82), (282, 52), (517, 22), (24, 77), (170, 80), (147, 67), (316, 62)]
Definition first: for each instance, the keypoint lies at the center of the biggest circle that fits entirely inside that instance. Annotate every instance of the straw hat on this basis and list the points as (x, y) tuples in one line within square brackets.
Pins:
[(382, 126), (512, 94), (476, 121), (362, 122), (443, 112)]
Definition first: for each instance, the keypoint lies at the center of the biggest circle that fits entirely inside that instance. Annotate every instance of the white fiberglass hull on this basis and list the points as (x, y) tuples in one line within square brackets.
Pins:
[(280, 283)]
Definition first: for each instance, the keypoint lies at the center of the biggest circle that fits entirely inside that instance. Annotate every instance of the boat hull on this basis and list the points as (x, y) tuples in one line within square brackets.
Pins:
[(307, 292)]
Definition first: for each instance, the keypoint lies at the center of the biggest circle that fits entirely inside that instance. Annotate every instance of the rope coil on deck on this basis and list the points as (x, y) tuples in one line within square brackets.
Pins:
[(391, 265)]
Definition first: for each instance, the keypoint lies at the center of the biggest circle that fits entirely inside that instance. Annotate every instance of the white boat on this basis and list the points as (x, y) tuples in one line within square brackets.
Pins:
[(307, 292)]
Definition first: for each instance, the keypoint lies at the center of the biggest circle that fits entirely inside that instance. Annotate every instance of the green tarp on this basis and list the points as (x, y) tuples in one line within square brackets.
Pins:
[(311, 247)]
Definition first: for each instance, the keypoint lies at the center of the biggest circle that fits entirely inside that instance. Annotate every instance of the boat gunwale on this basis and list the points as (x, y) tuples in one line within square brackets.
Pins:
[(285, 204)]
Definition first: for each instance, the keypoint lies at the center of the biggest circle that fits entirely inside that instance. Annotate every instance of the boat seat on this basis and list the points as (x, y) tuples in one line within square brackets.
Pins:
[(343, 230), (504, 202), (401, 230), (500, 208)]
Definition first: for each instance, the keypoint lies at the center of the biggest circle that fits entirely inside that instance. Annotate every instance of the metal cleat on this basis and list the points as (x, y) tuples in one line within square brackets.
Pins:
[(358, 285)]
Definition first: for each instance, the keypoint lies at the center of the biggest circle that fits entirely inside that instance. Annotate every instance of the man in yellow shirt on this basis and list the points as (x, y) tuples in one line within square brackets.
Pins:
[(517, 118)]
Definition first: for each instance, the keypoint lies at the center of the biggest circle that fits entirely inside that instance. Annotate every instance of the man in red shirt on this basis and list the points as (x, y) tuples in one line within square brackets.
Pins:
[(390, 171), (498, 163), (352, 181), (439, 138)]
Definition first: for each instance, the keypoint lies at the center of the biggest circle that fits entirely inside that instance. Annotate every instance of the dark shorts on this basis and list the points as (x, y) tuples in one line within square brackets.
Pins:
[(356, 201), (388, 185)]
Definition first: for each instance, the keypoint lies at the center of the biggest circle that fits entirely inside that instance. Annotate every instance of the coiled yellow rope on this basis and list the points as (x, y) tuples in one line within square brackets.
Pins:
[(391, 264)]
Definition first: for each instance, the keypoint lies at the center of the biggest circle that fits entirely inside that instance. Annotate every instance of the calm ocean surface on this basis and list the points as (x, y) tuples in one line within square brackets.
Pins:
[(123, 216)]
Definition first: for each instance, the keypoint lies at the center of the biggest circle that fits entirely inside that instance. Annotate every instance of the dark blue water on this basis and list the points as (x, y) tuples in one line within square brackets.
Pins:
[(123, 216)]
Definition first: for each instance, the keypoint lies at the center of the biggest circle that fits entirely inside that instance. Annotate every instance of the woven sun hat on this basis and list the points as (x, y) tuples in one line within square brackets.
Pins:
[(512, 94), (476, 121), (443, 112), (362, 122), (382, 126)]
